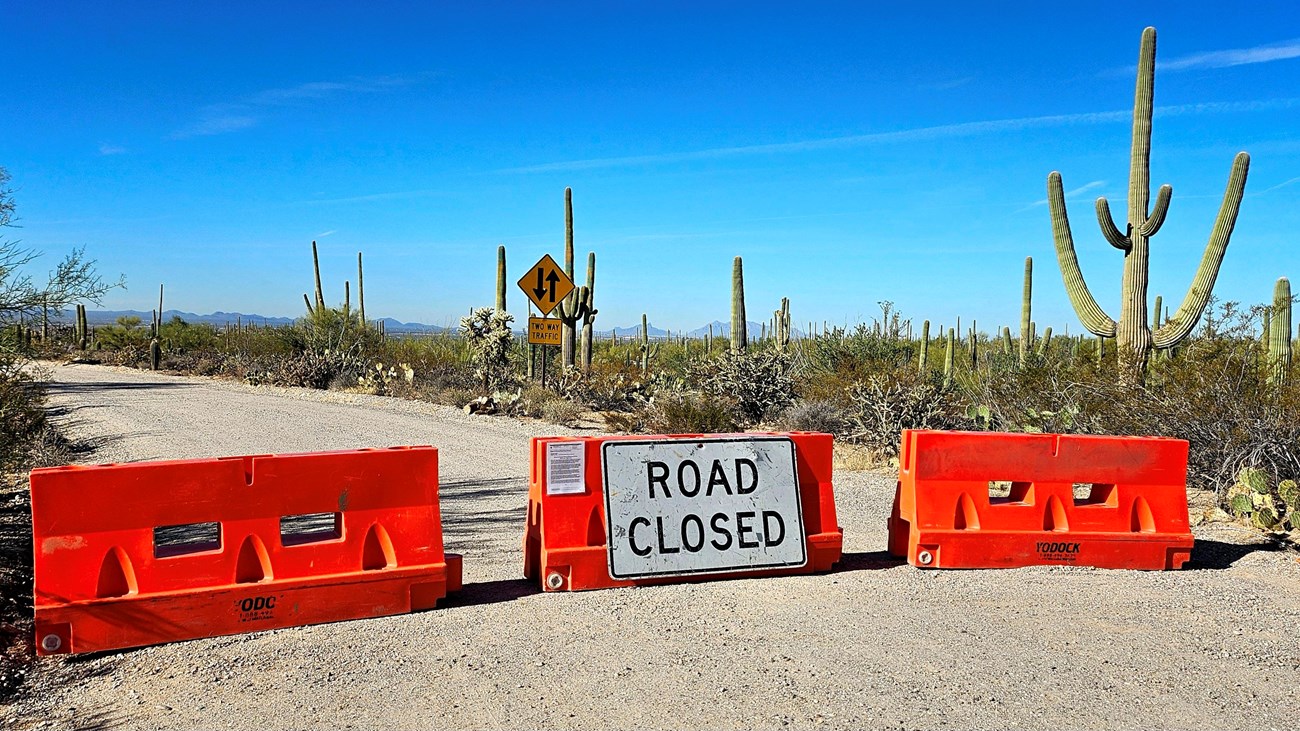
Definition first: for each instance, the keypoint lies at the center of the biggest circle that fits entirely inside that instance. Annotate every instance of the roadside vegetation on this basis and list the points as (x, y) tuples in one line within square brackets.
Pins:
[(27, 437), (1220, 389)]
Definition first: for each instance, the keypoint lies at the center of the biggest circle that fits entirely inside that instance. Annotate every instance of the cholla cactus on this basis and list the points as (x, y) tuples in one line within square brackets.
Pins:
[(487, 330)]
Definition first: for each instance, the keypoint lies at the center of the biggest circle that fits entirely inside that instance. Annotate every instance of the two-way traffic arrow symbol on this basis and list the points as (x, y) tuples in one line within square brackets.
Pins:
[(542, 291)]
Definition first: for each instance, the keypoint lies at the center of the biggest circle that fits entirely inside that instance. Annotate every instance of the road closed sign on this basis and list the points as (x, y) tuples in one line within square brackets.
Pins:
[(677, 507)]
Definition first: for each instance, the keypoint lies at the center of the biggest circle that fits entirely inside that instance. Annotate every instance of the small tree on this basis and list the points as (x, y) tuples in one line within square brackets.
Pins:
[(73, 280), (487, 331)]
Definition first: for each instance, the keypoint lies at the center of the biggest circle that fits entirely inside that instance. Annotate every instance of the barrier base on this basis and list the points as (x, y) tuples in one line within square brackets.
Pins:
[(586, 568), (938, 549), (138, 620)]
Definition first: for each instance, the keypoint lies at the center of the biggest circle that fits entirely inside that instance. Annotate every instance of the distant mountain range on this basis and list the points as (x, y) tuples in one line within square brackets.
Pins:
[(108, 317), (221, 319)]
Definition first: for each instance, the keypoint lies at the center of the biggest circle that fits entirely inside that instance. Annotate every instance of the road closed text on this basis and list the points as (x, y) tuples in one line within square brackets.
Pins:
[(679, 507)]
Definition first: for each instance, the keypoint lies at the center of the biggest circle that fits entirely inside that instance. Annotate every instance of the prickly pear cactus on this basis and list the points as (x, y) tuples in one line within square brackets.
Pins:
[(1266, 506), (1289, 492), (1255, 479)]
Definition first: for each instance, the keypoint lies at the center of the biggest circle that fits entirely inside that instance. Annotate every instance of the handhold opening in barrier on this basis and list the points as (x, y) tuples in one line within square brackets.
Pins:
[(1095, 493), (170, 541), (253, 564), (1054, 518), (116, 576), (1141, 520), (377, 551), (1010, 492), (297, 530), (966, 517)]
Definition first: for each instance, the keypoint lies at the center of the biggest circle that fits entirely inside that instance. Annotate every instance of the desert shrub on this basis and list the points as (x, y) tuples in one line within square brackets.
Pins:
[(1212, 391), (606, 387), (327, 348), (818, 416), (760, 383), (561, 411), (128, 332), (179, 336), (689, 412), (884, 406), (453, 396)]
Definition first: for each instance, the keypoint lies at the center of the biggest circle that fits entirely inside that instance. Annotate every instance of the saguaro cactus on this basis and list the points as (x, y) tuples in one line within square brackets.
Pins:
[(925, 346), (361, 293), (648, 353), (158, 318), (315, 265), (1279, 332), (589, 319), (577, 305), (948, 356), (1133, 334), (501, 278), (739, 334), (1026, 311)]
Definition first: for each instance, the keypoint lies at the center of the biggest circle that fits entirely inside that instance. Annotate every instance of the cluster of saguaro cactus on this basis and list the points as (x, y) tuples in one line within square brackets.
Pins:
[(1279, 332), (155, 340), (781, 326), (319, 305), (156, 326), (579, 305), (1135, 338), (739, 328), (82, 333)]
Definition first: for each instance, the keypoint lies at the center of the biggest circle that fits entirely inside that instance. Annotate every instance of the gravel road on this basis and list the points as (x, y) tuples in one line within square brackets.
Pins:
[(873, 645)]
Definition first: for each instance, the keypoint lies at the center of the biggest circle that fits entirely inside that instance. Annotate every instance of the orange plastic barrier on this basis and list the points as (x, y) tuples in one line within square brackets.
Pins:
[(139, 554), (566, 539), (1109, 502)]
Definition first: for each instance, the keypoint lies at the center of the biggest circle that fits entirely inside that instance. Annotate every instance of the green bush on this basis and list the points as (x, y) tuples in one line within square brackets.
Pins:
[(691, 413), (761, 383)]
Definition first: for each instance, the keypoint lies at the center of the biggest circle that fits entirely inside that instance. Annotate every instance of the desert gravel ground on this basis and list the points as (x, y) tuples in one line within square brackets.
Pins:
[(873, 645)]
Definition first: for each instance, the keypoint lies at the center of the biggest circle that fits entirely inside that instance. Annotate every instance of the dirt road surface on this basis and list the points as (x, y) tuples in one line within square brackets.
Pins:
[(873, 645)]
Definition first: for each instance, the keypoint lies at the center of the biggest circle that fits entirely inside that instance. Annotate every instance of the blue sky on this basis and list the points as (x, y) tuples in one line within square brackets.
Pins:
[(850, 152)]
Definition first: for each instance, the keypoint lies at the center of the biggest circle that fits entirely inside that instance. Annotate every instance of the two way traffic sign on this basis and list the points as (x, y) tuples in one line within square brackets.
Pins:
[(546, 284)]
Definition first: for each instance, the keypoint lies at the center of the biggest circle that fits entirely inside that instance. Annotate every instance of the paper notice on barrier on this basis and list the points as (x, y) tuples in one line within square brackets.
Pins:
[(566, 468)]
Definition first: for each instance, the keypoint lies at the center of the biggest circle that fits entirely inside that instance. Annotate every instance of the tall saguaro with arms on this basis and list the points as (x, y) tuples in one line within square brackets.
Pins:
[(1134, 335)]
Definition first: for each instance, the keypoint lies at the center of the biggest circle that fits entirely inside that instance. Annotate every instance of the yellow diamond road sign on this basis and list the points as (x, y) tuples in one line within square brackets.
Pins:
[(546, 284)]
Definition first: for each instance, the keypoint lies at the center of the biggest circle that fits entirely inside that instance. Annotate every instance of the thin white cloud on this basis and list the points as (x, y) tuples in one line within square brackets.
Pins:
[(216, 119), (1233, 57), (215, 124), (107, 149), (917, 134), (323, 234), (1070, 194), (394, 195), (1282, 184)]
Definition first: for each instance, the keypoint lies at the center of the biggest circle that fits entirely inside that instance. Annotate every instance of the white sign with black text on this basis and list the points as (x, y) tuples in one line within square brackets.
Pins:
[(693, 506)]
